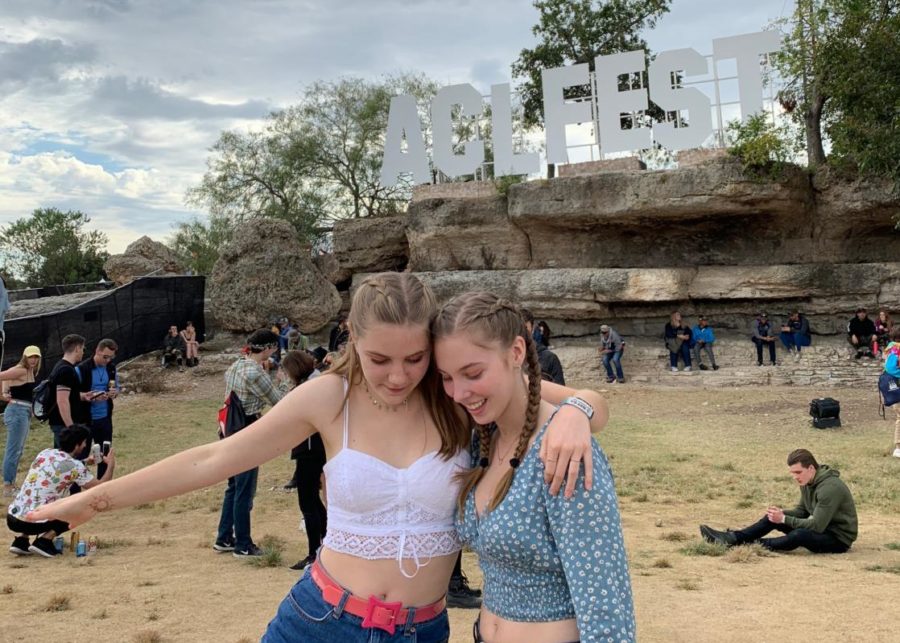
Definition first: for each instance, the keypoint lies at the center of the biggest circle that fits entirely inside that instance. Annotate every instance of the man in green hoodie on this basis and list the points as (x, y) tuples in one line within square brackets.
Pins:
[(824, 522)]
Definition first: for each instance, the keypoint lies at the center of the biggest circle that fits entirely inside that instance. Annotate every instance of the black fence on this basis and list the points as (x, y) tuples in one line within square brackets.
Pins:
[(136, 315)]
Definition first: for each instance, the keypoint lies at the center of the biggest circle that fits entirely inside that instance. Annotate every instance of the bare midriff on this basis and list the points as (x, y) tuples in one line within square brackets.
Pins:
[(499, 630), (382, 578)]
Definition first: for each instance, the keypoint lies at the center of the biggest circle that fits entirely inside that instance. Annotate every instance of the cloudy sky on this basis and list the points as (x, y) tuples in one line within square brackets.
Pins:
[(110, 106)]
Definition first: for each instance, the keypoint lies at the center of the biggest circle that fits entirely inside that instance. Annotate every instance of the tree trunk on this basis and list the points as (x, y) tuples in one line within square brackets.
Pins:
[(815, 151)]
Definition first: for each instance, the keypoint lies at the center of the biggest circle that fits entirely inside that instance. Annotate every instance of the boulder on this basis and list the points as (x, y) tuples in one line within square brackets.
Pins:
[(141, 258), (371, 244), (465, 234), (265, 273), (331, 269)]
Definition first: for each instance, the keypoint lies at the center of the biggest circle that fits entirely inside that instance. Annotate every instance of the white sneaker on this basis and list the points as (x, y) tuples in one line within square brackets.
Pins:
[(797, 356), (897, 452), (687, 369), (674, 369)]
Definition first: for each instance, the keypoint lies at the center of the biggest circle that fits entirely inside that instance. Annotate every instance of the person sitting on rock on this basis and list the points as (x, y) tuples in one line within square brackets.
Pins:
[(174, 348), (550, 364), (761, 335), (192, 346), (883, 326), (824, 522), (611, 348), (52, 474), (678, 341), (702, 339), (861, 334), (795, 334)]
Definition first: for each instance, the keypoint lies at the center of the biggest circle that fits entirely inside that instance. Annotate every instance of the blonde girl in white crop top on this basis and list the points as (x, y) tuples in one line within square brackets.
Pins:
[(394, 442)]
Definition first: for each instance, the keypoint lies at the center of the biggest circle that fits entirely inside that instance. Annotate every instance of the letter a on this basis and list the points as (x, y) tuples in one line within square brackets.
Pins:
[(403, 120)]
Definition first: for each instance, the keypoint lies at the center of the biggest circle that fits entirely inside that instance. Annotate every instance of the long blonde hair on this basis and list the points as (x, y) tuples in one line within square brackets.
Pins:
[(31, 374), (399, 298), (495, 320)]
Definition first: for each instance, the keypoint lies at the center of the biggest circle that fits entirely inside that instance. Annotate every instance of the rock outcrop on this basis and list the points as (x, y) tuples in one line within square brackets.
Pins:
[(370, 245), (265, 273), (143, 257)]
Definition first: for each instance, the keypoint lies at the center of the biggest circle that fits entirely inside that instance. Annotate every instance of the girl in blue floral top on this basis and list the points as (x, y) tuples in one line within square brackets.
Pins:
[(555, 569)]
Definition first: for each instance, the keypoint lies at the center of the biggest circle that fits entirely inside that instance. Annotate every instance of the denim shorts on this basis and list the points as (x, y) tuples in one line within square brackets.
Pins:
[(305, 616)]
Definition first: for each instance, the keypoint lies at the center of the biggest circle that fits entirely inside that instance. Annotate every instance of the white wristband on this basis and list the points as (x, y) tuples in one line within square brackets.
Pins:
[(579, 404)]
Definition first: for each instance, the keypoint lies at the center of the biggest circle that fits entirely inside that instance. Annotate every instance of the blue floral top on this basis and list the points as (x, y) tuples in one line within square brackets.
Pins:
[(545, 558)]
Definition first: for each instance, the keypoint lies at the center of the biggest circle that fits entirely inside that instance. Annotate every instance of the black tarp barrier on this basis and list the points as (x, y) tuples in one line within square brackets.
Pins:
[(136, 315)]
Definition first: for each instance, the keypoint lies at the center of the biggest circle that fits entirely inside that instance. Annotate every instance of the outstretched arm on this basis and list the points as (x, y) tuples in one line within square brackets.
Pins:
[(293, 420)]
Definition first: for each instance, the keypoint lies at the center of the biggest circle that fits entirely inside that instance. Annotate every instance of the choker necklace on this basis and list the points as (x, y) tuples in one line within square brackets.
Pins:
[(381, 405)]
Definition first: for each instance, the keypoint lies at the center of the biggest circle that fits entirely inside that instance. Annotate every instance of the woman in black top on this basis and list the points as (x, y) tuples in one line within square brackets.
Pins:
[(18, 383), (309, 457)]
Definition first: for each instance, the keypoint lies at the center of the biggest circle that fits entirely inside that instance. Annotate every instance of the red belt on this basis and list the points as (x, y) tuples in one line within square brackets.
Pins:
[(374, 612)]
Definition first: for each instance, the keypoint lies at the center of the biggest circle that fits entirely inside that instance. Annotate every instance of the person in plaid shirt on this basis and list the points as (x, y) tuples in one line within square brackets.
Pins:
[(252, 385)]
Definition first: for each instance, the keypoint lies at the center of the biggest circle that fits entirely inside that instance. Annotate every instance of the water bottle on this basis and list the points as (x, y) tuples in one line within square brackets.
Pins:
[(81, 549)]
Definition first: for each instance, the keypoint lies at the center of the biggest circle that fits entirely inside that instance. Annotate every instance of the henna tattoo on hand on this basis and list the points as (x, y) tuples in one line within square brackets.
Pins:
[(101, 503)]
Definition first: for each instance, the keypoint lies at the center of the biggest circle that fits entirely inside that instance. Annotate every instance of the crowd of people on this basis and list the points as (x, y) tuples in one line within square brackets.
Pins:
[(410, 400)]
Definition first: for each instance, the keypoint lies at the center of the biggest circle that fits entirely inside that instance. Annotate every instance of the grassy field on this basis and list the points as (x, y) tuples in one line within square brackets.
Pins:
[(681, 457)]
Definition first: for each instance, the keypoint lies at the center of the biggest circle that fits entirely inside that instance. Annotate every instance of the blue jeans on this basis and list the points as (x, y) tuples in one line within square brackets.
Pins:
[(795, 340), (234, 521), (305, 616), (616, 358), (17, 419), (685, 352)]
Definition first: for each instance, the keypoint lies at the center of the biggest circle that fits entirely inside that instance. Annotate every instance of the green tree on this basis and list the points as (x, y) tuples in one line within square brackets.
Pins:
[(577, 31), (52, 247), (839, 72), (313, 162), (198, 242), (863, 123)]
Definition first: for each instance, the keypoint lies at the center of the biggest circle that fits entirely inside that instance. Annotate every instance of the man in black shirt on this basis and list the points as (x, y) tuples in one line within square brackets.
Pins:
[(68, 390), (861, 334)]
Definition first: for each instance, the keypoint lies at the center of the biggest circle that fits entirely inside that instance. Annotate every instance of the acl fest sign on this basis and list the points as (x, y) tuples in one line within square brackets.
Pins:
[(607, 103)]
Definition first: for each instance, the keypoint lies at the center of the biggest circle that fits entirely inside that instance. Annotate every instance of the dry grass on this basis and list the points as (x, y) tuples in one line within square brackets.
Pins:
[(667, 449), (703, 548), (58, 603), (747, 553)]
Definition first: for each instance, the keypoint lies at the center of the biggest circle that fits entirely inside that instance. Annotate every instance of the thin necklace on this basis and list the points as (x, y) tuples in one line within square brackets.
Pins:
[(505, 457), (381, 405)]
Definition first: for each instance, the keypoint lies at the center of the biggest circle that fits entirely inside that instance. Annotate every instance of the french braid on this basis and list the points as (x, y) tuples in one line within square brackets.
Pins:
[(499, 320)]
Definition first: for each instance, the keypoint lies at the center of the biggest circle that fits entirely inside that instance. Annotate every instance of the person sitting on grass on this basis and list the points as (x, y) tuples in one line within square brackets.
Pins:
[(824, 521), (51, 475)]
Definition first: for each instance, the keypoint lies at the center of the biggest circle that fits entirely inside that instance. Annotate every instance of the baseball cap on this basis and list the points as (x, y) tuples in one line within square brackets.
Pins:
[(31, 351), (604, 328), (701, 318), (764, 314)]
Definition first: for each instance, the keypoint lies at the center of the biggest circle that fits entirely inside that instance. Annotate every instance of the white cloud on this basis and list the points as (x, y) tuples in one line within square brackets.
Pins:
[(141, 90)]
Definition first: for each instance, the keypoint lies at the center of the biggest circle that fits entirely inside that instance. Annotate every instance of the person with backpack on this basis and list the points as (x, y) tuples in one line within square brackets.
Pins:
[(892, 368), (18, 385), (65, 392), (250, 383), (98, 375)]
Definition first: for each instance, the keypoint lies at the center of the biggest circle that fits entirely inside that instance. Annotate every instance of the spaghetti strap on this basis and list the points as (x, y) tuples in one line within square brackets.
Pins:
[(346, 413)]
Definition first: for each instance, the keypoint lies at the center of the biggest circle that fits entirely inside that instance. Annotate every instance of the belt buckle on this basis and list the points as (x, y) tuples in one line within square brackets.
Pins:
[(382, 615)]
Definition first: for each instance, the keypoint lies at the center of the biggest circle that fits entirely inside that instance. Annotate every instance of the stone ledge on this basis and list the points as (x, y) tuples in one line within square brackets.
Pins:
[(628, 164), (467, 190)]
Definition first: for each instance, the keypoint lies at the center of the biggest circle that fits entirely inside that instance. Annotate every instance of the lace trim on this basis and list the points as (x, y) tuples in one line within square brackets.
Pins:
[(413, 546)]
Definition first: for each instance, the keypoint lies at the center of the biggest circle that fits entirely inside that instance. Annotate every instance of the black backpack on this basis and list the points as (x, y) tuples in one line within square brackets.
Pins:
[(43, 396), (43, 400)]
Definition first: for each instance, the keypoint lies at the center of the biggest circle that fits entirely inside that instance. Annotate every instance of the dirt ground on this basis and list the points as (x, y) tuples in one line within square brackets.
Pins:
[(681, 457)]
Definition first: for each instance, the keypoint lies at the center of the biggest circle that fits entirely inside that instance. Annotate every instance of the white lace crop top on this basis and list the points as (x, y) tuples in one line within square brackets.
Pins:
[(378, 511)]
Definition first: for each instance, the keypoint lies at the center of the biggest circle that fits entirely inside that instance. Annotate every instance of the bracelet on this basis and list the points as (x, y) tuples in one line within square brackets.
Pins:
[(579, 404)]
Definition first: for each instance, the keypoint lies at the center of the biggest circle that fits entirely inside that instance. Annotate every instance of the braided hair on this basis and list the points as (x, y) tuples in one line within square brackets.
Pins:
[(401, 299), (496, 320)]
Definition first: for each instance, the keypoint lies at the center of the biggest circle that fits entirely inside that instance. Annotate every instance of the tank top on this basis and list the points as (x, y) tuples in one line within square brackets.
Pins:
[(377, 511), (22, 392)]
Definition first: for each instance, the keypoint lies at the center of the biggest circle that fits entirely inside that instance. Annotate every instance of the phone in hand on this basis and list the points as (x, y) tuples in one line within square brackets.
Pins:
[(95, 394), (106, 445)]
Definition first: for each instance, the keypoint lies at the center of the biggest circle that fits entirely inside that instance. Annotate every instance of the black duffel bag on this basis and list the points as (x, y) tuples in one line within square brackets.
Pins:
[(825, 412)]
